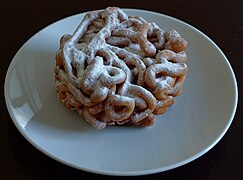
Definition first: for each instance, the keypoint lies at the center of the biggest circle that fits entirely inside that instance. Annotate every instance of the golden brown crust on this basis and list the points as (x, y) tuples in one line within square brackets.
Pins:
[(119, 69)]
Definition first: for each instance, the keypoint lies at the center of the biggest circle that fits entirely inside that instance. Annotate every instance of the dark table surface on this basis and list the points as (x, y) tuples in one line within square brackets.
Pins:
[(221, 20)]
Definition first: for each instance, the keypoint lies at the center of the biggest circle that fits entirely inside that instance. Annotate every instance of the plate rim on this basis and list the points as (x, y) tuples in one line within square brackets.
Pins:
[(125, 173)]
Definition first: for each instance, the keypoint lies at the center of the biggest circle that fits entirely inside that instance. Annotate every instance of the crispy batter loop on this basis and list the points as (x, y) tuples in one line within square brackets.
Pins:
[(118, 69)]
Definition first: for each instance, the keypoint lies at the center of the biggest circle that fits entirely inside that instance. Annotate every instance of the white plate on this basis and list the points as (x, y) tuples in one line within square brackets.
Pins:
[(197, 121)]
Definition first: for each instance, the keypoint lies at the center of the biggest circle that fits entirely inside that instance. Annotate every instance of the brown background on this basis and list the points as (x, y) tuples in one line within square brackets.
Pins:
[(221, 20)]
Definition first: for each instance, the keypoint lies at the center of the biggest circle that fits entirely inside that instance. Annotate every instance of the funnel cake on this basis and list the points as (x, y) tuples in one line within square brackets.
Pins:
[(119, 69)]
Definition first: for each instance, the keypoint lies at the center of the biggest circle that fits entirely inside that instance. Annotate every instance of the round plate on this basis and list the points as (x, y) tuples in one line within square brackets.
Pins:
[(193, 125)]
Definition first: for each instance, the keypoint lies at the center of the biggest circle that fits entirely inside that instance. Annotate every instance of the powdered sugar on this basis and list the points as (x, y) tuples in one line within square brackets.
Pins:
[(110, 66)]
